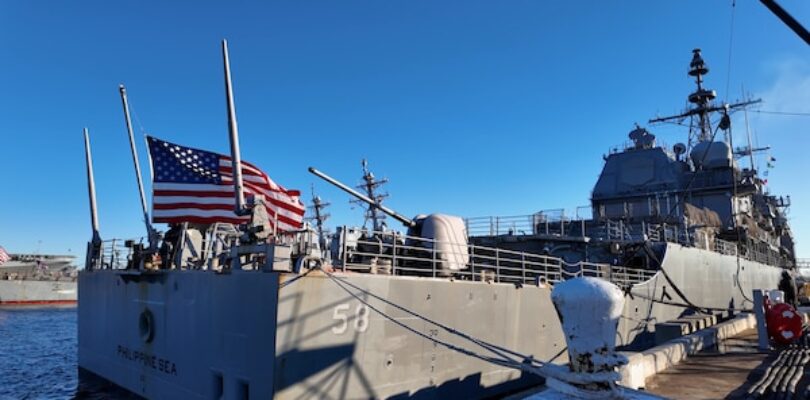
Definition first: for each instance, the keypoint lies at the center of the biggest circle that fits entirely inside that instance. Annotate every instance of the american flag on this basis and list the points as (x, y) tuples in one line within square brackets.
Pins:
[(191, 185), (4, 257)]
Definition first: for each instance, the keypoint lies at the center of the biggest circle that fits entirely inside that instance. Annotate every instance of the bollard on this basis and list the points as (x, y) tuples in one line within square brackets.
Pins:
[(589, 309)]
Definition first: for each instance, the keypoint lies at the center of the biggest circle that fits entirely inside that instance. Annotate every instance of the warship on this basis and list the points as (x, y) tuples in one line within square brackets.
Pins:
[(27, 279), (452, 307)]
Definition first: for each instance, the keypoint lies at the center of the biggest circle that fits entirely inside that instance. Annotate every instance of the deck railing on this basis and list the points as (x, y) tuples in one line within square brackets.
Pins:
[(116, 253), (393, 253), (545, 223)]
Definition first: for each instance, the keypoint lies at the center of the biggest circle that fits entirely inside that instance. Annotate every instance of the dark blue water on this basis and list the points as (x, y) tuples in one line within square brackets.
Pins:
[(38, 353), (38, 356)]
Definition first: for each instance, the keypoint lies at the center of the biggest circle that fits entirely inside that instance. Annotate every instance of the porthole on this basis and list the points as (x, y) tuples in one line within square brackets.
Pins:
[(146, 325)]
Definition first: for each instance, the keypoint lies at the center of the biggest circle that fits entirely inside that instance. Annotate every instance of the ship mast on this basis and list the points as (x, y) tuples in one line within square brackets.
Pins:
[(369, 186), (702, 99), (318, 206)]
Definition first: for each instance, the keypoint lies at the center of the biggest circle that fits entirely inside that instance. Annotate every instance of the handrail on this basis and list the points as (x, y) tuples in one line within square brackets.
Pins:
[(382, 252), (398, 254), (540, 224)]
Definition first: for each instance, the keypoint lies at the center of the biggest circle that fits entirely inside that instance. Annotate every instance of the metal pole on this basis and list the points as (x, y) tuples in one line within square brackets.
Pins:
[(433, 249), (497, 265), (748, 134), (472, 261), (275, 223), (394, 255), (759, 312), (113, 258), (787, 19), (94, 247), (178, 249), (233, 129), (523, 265), (150, 232), (91, 184), (344, 245)]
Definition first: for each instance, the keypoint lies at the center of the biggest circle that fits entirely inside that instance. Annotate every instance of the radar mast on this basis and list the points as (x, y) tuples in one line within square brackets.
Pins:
[(702, 98), (370, 186), (319, 217)]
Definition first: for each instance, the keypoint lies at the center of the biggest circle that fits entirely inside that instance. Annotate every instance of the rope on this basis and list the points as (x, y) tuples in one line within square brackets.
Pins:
[(734, 220), (528, 363), (293, 280), (504, 361), (730, 47), (448, 329), (135, 117), (685, 305), (793, 113), (672, 209)]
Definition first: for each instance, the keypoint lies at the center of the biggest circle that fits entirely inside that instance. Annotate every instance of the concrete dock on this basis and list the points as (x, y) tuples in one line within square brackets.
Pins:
[(724, 372), (720, 362)]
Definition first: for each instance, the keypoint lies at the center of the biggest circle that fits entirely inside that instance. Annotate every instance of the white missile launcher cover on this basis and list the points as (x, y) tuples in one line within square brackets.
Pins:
[(450, 235)]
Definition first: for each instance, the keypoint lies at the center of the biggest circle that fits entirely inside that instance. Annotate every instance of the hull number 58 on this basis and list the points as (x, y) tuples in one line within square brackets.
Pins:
[(359, 319)]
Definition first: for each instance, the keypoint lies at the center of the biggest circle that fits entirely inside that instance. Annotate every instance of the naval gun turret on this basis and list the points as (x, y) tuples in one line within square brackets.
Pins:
[(443, 236)]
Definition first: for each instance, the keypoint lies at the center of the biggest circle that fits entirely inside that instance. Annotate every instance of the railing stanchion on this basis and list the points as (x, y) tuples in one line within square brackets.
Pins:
[(394, 255), (433, 250), (523, 265), (113, 261), (497, 265), (472, 261), (345, 247)]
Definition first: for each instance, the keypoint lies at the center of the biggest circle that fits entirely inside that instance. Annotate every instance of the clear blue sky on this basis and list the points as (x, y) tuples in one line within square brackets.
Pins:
[(469, 107)]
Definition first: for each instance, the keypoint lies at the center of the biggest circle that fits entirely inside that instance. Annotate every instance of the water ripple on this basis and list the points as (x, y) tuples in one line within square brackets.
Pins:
[(38, 357)]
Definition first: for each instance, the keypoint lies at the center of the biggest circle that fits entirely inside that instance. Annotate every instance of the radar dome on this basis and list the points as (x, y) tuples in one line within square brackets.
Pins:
[(711, 155)]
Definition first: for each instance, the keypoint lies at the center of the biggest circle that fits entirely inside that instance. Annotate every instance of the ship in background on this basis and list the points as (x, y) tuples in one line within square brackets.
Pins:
[(29, 279), (691, 211), (648, 195), (446, 309)]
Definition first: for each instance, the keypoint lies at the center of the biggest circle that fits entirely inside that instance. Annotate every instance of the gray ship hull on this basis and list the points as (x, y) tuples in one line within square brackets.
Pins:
[(28, 292), (240, 334), (251, 333), (706, 278)]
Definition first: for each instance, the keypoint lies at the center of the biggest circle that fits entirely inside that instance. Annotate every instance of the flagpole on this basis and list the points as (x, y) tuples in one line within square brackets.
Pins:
[(233, 129), (150, 232)]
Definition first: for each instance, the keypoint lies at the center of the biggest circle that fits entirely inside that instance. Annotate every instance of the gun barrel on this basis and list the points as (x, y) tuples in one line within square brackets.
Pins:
[(399, 217)]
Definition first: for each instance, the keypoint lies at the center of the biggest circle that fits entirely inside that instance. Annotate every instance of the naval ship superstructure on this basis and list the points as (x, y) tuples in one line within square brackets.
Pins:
[(29, 279), (250, 312), (692, 211)]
